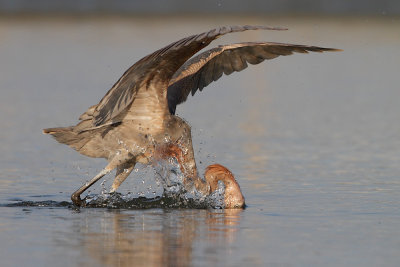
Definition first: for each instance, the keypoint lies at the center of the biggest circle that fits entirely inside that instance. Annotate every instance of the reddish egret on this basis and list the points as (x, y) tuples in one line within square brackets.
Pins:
[(136, 122)]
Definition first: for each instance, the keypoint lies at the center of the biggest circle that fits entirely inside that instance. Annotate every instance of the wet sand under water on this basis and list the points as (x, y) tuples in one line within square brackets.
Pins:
[(314, 142)]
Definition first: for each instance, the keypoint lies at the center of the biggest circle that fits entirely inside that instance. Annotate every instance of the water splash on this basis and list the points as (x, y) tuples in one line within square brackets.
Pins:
[(169, 176), (168, 191), (119, 201), (128, 201)]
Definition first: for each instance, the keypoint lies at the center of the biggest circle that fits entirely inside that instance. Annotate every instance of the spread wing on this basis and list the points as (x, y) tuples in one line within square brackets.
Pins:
[(209, 66), (153, 73)]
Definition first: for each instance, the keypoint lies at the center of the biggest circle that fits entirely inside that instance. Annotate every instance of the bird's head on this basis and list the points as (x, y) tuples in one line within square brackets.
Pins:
[(233, 197)]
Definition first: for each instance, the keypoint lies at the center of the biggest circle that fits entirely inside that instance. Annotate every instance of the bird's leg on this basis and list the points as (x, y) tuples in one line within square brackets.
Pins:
[(75, 197), (123, 172), (115, 162)]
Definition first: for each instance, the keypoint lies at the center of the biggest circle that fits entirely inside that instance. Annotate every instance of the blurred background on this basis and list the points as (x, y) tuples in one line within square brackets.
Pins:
[(360, 7), (313, 139)]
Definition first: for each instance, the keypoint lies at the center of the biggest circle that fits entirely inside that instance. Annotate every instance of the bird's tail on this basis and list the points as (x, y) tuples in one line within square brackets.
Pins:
[(67, 135)]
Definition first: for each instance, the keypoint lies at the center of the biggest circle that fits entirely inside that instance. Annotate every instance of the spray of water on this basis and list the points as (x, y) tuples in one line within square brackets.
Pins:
[(169, 177)]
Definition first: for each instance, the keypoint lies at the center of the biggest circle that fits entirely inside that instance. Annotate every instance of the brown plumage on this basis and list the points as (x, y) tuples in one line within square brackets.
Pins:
[(135, 121)]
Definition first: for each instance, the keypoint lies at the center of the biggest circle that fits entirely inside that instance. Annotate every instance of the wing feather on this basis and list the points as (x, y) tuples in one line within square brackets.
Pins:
[(209, 66), (155, 71)]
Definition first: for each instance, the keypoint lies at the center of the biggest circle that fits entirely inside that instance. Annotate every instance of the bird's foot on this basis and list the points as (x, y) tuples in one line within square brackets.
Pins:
[(76, 199)]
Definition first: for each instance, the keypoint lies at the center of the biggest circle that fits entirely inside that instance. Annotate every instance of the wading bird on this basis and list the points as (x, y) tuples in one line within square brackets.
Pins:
[(136, 122)]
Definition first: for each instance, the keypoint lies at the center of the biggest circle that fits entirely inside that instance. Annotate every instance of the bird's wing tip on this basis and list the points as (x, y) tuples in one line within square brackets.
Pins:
[(332, 50), (263, 27)]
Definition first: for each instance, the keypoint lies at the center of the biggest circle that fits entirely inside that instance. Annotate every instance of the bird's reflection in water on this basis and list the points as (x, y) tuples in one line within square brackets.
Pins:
[(156, 237)]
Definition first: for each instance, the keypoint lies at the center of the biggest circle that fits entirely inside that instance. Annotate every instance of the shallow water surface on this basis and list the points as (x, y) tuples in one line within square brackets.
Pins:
[(313, 140)]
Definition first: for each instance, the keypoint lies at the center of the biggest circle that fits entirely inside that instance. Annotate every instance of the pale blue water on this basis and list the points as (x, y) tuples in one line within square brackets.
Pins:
[(314, 142)]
